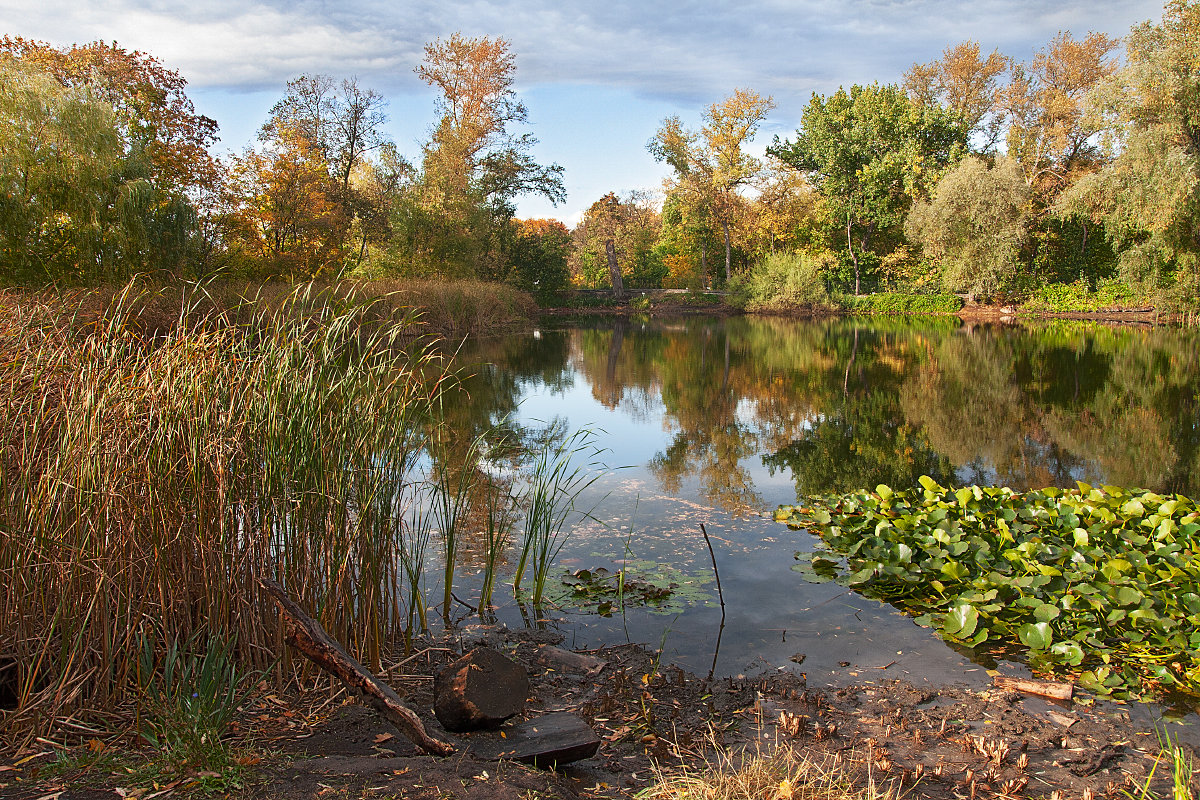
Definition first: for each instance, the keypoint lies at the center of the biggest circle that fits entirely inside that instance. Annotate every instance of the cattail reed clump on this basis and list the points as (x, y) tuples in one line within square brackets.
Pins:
[(146, 482)]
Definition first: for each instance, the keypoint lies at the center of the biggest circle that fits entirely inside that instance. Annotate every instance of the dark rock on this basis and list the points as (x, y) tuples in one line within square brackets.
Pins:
[(479, 690)]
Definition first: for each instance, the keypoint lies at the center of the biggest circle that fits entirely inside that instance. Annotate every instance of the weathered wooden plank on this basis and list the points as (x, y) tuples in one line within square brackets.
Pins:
[(558, 658), (1056, 691), (550, 740)]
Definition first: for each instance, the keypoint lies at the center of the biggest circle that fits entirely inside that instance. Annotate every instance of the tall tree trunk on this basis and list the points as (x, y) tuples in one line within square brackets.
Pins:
[(704, 263), (728, 253), (614, 270)]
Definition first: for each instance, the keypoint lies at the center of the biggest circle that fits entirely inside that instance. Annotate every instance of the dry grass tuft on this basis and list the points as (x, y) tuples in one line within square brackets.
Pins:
[(780, 774)]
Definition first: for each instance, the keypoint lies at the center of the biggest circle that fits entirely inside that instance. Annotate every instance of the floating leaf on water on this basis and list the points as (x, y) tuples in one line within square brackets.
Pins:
[(1045, 612), (1127, 577), (1036, 635), (961, 621), (929, 484), (1070, 652)]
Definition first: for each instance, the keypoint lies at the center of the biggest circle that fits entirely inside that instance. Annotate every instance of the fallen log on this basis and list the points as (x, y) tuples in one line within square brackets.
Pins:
[(306, 635), (1055, 691)]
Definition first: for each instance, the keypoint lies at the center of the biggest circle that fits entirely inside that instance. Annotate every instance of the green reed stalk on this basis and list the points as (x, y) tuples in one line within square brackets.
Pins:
[(498, 525), (553, 488), (454, 479)]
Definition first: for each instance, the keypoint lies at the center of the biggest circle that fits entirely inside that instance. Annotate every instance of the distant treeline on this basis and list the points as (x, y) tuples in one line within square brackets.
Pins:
[(981, 175)]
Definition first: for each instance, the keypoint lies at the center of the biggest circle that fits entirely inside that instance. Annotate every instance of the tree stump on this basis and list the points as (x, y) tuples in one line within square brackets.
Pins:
[(479, 690)]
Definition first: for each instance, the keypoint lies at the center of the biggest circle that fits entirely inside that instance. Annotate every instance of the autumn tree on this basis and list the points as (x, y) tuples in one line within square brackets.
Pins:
[(1048, 132), (684, 242), (474, 165), (1148, 197), (871, 152), (975, 224), (628, 227), (967, 84), (711, 166), (787, 213), (343, 121), (291, 223)]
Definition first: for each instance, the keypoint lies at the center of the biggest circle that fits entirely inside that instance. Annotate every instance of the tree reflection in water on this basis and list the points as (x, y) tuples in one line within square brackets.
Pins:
[(847, 403)]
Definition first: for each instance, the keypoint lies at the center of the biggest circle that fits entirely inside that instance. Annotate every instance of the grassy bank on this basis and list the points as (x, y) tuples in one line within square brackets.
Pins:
[(159, 451), (447, 309)]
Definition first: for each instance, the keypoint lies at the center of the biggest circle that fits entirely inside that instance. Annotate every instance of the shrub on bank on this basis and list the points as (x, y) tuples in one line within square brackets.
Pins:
[(903, 303), (1080, 297), (780, 282)]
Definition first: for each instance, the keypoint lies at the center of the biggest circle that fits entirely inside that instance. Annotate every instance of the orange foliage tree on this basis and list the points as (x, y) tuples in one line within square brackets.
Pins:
[(287, 222)]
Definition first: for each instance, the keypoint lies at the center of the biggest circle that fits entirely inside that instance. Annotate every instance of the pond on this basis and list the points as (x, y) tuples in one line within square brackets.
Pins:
[(711, 422)]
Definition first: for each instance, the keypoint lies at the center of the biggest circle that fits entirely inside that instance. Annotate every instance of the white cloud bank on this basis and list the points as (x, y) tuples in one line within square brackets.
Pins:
[(684, 51)]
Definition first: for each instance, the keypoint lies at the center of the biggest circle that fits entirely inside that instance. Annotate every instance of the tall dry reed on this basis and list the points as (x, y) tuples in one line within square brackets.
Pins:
[(147, 482)]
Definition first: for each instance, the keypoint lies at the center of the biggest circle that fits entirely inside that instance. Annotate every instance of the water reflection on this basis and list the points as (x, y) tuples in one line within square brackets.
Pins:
[(842, 404)]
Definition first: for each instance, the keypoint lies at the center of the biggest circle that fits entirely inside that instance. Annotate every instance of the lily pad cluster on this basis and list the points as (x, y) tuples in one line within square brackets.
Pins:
[(1102, 583), (657, 587)]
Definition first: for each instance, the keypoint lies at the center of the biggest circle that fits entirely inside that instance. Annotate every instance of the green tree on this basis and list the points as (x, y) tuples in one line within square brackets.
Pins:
[(76, 203), (165, 143), (975, 224), (1148, 197), (871, 152), (711, 166), (539, 257), (148, 100)]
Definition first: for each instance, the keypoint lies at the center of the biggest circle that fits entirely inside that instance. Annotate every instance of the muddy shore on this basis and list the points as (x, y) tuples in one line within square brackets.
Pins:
[(951, 742)]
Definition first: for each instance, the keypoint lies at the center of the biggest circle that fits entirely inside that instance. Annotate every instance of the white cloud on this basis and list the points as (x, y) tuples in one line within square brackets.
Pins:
[(684, 50)]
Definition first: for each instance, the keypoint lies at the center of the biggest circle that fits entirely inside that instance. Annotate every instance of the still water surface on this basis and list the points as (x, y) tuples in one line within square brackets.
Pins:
[(710, 421)]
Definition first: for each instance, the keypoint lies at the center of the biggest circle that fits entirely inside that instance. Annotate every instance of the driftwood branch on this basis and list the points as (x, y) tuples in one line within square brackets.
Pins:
[(307, 636), (1056, 691)]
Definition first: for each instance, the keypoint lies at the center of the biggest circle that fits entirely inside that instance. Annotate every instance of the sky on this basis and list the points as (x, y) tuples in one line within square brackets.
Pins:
[(597, 77)]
